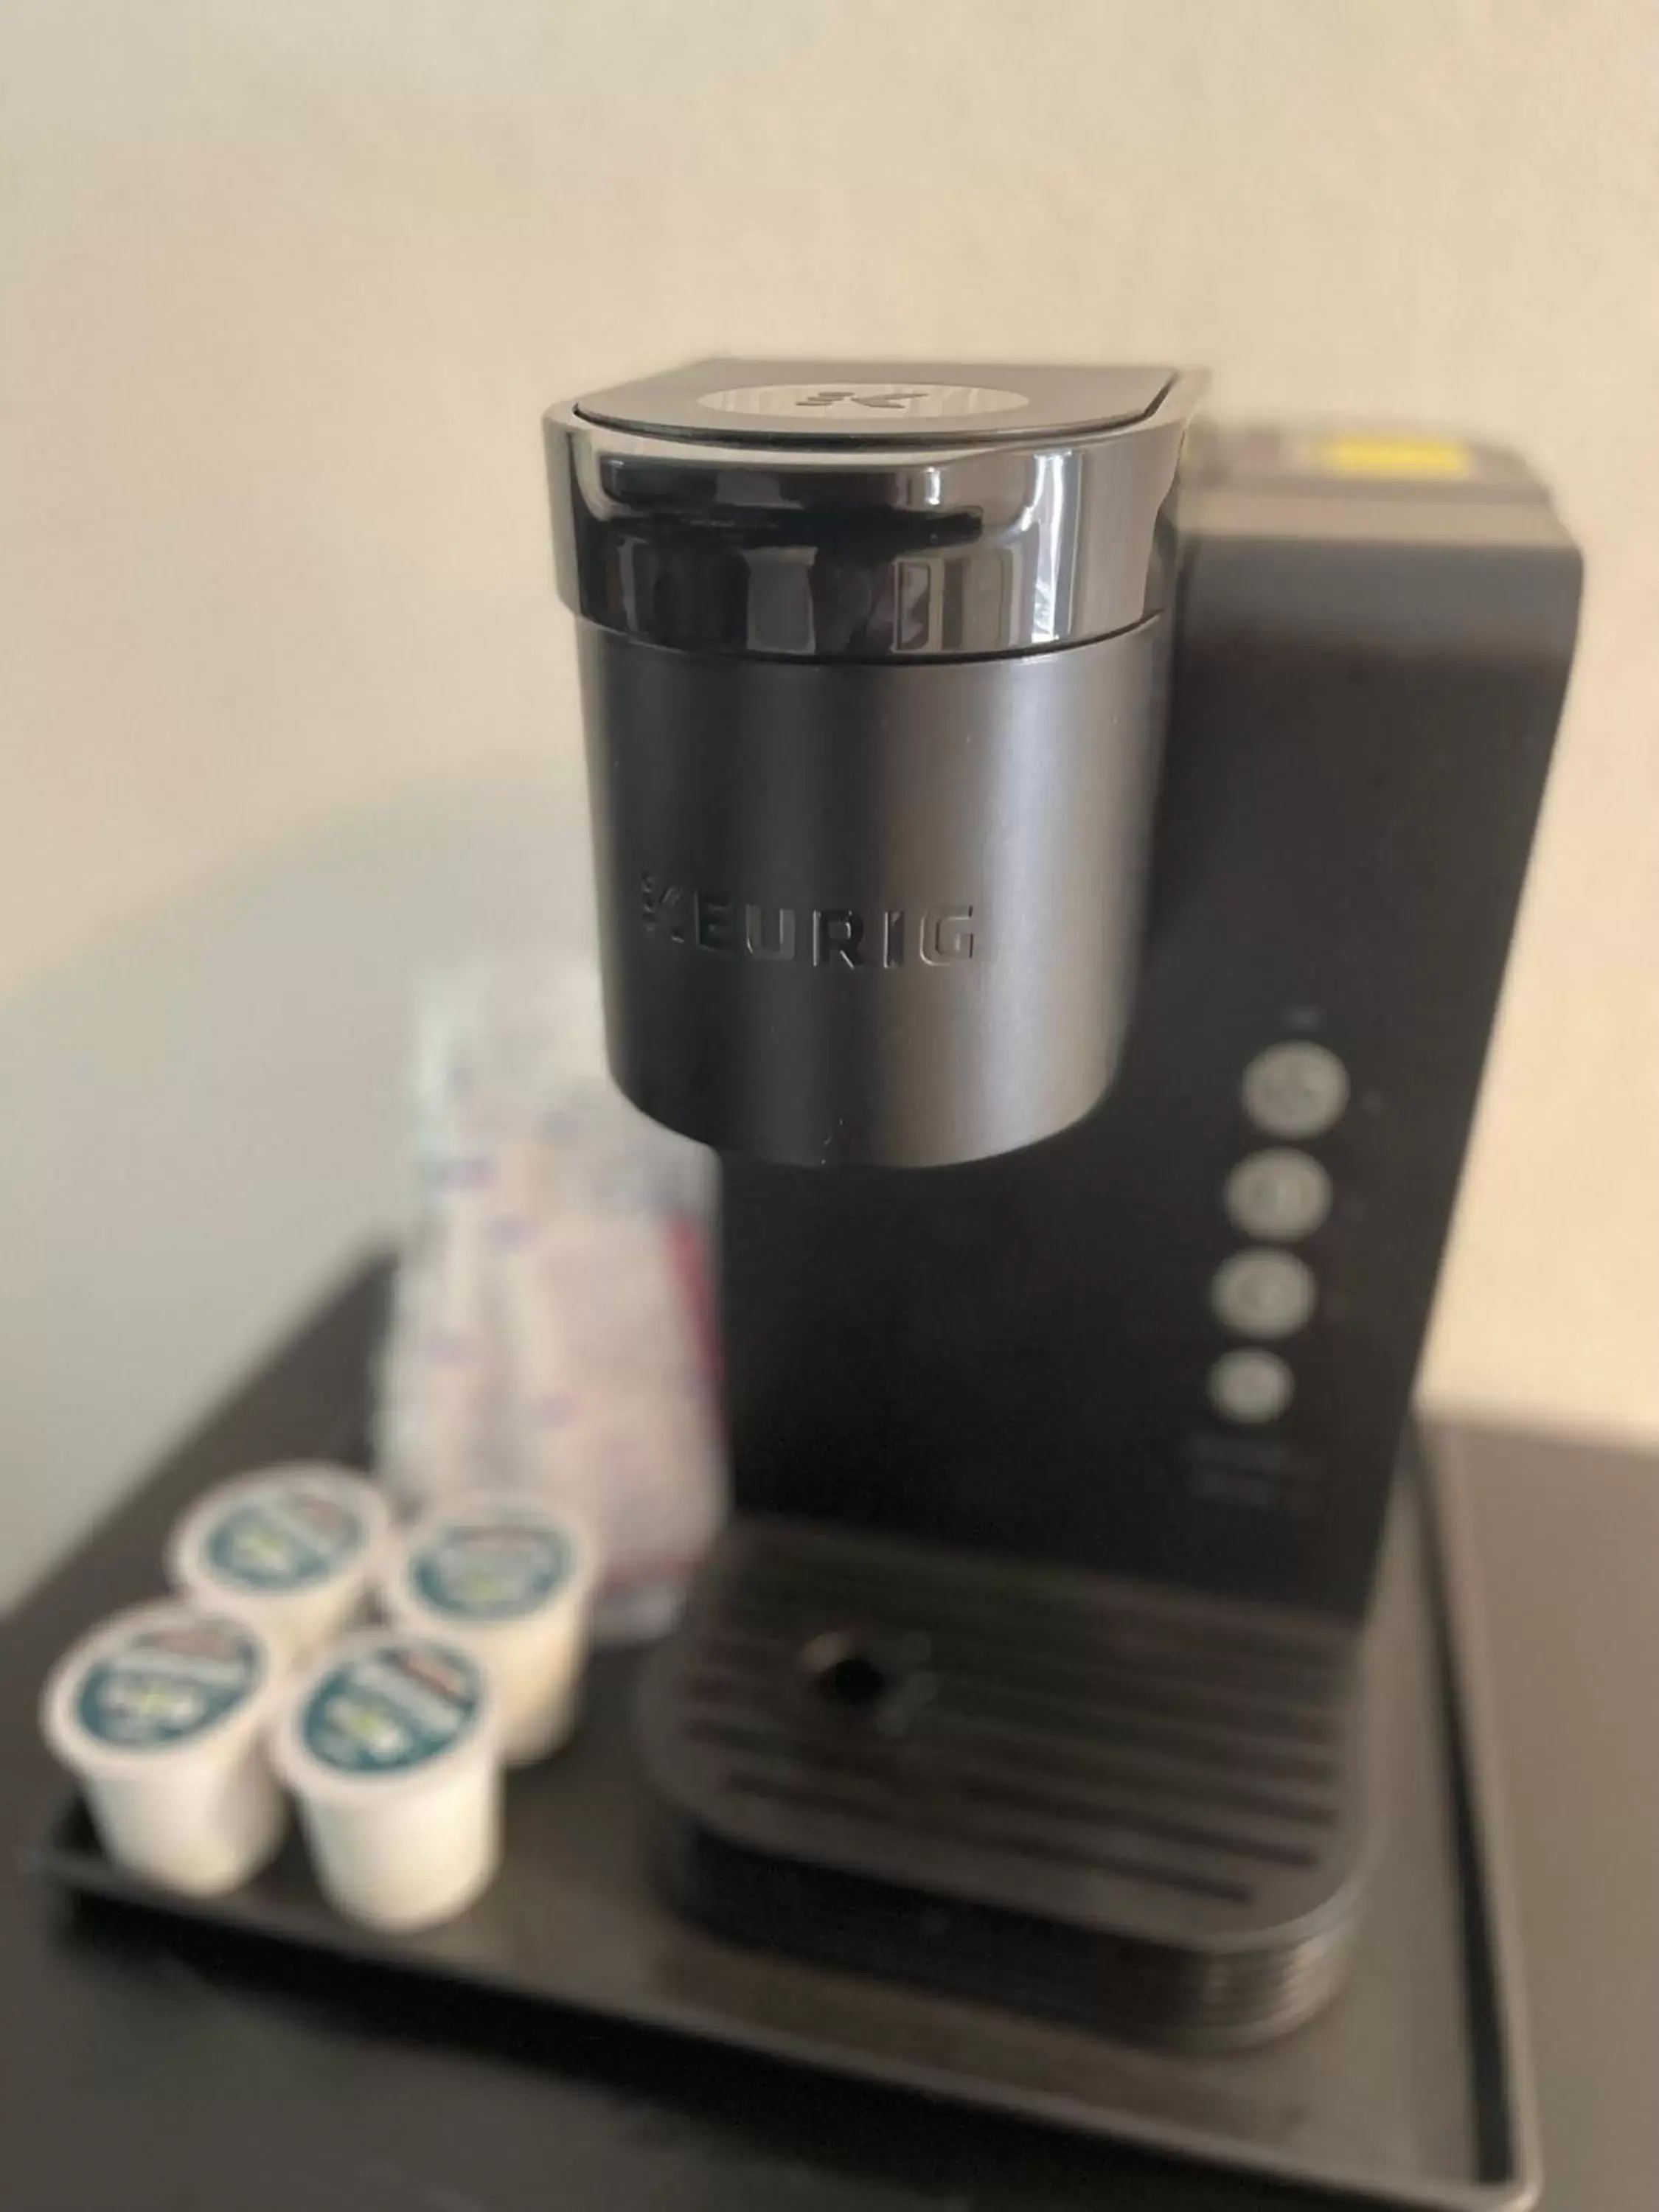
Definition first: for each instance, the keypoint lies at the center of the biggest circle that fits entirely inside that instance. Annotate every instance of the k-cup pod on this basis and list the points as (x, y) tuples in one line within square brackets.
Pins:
[(293, 1548), (509, 1579), (388, 1742), (162, 1714)]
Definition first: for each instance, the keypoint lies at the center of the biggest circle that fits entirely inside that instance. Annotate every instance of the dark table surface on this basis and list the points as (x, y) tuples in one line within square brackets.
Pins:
[(145, 2067)]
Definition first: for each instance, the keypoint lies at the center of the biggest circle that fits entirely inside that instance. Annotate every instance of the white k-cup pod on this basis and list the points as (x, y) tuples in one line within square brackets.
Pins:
[(511, 1580), (294, 1547), (162, 1714), (388, 1741)]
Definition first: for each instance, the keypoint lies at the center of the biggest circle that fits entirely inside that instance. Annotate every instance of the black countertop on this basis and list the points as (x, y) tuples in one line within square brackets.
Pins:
[(148, 2067)]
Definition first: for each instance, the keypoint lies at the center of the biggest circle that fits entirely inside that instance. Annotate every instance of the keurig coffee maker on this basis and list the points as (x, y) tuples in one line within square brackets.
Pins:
[(1062, 854)]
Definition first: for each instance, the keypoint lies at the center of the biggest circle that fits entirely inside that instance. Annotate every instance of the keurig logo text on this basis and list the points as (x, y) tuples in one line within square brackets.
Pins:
[(822, 936), (865, 403)]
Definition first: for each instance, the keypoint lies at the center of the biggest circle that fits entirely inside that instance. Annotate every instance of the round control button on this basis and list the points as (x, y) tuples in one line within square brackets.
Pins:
[(1278, 1195), (1297, 1090), (1250, 1386), (1261, 1293)]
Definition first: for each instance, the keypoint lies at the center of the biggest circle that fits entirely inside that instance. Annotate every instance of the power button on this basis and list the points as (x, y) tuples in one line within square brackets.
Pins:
[(1296, 1090)]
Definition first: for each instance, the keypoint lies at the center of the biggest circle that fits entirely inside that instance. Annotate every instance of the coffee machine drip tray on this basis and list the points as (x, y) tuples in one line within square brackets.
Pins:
[(1138, 1808)]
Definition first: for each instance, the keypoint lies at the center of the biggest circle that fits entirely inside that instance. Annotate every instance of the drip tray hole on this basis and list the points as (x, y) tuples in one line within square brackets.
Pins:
[(843, 1670)]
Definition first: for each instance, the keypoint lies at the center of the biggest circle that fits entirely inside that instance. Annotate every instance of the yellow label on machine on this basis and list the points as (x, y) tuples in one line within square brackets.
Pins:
[(1364, 454)]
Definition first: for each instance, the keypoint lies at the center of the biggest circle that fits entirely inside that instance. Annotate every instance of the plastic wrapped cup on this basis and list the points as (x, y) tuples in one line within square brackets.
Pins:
[(511, 1580), (294, 1547), (162, 1714), (388, 1742)]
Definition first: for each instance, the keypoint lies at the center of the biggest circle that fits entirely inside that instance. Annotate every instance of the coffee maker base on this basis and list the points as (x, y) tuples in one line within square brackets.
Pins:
[(1140, 1809), (1412, 2087)]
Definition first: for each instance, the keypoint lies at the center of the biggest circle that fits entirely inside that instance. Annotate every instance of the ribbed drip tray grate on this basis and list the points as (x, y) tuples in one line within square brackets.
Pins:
[(1136, 1807)]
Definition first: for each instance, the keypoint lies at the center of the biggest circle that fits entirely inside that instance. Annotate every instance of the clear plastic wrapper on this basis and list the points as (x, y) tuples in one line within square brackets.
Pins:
[(551, 1329)]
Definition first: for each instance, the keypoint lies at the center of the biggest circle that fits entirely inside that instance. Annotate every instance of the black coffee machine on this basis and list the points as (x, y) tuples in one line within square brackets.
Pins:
[(1063, 855)]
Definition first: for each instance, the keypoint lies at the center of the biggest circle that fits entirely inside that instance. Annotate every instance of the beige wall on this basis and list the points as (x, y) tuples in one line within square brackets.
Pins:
[(286, 284)]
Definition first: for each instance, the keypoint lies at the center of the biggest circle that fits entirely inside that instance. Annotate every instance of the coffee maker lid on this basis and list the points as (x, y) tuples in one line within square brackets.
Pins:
[(869, 510), (877, 403)]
